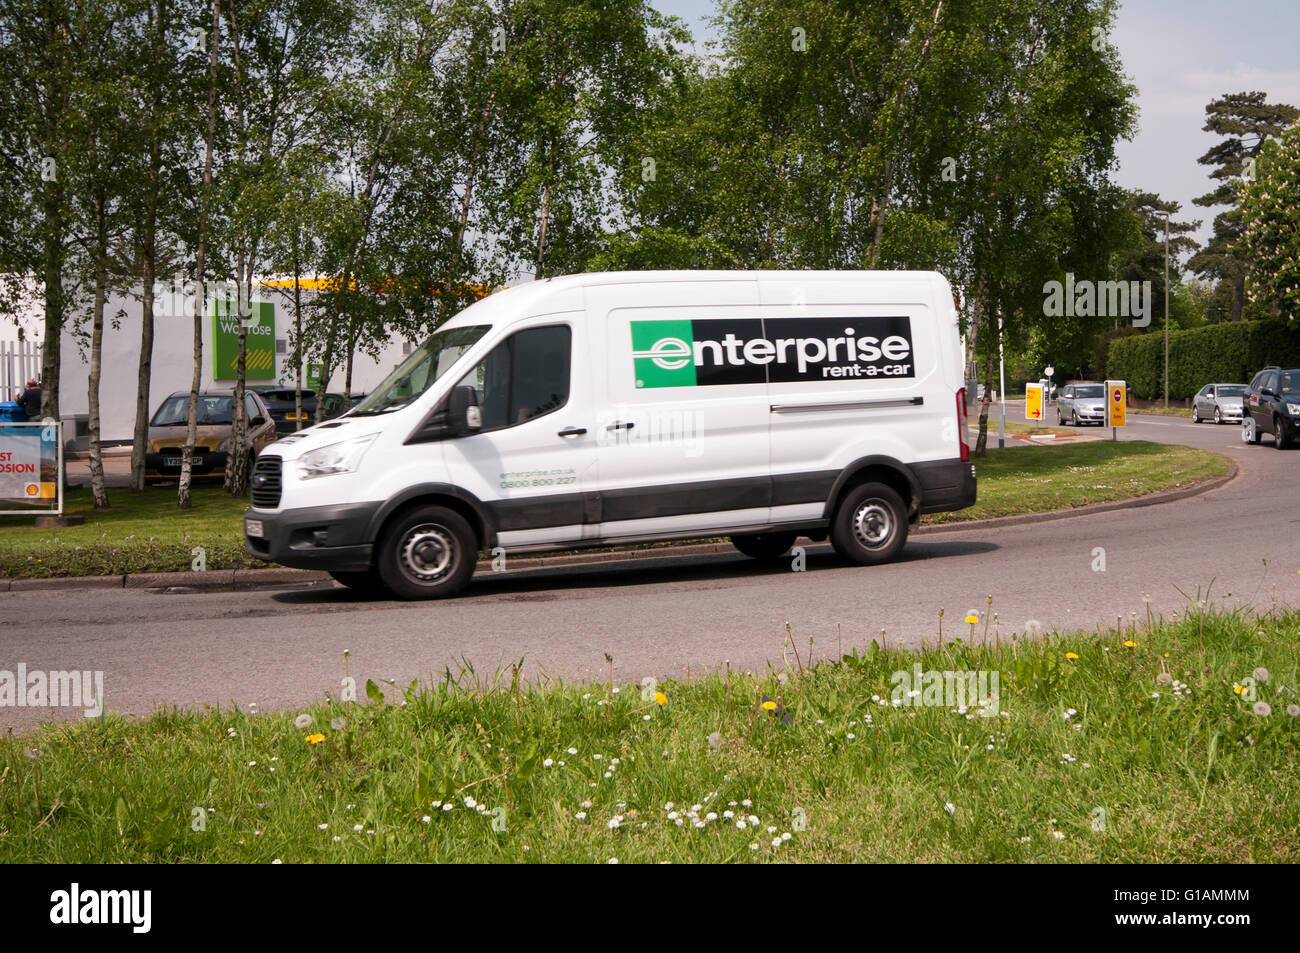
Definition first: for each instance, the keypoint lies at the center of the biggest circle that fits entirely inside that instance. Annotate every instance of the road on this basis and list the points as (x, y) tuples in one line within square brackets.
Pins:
[(282, 648)]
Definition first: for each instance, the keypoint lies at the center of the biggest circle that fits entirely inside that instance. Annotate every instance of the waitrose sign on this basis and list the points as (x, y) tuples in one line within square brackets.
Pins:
[(259, 341)]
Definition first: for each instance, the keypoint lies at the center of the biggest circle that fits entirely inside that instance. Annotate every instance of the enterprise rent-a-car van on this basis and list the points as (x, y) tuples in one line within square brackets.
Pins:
[(610, 408)]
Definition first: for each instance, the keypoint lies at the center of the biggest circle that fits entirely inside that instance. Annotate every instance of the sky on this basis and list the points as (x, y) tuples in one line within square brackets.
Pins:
[(1180, 54)]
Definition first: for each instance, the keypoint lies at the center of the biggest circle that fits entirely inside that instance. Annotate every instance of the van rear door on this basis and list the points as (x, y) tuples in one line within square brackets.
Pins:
[(861, 376)]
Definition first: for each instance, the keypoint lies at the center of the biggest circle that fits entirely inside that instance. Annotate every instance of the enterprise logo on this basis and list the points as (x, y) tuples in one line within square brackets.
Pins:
[(669, 354), (752, 350)]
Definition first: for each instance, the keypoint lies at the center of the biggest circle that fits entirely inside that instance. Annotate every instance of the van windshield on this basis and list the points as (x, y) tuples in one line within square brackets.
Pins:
[(427, 363)]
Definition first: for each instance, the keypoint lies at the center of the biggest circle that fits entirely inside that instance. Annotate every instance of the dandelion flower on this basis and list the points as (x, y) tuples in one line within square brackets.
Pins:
[(1293, 710), (315, 739), (338, 724), (1130, 644), (1071, 655), (1164, 678), (661, 698), (302, 721), (769, 706), (1262, 709), (1261, 674)]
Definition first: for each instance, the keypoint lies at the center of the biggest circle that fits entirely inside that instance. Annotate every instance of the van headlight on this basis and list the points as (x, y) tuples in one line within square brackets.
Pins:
[(340, 457)]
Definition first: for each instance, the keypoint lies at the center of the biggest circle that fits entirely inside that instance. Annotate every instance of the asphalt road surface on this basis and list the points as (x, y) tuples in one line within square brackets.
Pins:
[(283, 647)]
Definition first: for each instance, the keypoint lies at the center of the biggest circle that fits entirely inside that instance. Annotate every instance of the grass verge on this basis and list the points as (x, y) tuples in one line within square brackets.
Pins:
[(1146, 745), (1019, 480), (146, 533)]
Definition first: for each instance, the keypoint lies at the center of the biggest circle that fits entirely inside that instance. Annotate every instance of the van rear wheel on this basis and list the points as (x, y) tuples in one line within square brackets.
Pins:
[(427, 553), (870, 525), (764, 545)]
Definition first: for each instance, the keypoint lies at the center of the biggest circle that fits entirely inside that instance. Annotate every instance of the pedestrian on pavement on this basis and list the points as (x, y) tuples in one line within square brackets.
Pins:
[(31, 400)]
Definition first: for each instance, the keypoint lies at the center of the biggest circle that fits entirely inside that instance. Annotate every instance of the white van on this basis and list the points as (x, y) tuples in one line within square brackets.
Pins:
[(635, 406)]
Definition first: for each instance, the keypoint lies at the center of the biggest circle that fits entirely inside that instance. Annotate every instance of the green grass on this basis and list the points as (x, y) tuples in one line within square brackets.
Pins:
[(1162, 411), (1018, 480), (1018, 427), (1095, 749), (141, 532), (145, 532)]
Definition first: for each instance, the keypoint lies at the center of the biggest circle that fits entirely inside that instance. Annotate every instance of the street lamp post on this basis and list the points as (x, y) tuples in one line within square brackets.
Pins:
[(1166, 213), (1002, 388)]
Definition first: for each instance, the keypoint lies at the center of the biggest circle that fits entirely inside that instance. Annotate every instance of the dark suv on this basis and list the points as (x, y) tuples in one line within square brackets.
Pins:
[(1271, 404)]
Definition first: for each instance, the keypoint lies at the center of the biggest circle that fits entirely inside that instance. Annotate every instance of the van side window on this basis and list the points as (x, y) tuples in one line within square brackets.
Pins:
[(525, 376)]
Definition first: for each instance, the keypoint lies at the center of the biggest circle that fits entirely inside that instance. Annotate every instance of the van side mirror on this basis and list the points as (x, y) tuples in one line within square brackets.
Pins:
[(456, 415), (464, 416)]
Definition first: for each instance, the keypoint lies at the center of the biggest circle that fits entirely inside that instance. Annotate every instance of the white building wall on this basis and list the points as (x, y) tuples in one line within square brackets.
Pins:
[(173, 349)]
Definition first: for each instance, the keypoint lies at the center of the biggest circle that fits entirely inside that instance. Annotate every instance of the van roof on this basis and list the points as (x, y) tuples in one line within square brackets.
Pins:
[(525, 295)]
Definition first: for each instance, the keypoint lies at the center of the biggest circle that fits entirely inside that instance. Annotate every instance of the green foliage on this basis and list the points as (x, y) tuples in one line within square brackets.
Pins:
[(1270, 211), (1218, 353)]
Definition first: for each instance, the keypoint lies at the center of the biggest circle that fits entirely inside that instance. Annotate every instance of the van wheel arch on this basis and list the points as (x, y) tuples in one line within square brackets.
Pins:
[(877, 469), (459, 502)]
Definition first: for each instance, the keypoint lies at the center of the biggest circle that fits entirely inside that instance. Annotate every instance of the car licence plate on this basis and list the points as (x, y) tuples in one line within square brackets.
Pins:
[(196, 460), (253, 528)]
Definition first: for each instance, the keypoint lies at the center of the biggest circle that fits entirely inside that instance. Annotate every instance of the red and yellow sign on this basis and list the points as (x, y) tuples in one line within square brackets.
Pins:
[(1033, 401), (1116, 402)]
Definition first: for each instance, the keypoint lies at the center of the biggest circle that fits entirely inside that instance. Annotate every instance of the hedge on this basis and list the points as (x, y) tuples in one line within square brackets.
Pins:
[(1216, 353)]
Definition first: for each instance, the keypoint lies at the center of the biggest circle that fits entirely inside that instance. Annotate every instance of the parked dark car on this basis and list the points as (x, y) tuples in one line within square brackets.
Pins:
[(280, 402), (1272, 405)]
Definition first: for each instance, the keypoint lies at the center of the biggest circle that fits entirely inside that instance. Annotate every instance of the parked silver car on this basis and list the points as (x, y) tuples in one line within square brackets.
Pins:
[(1218, 402), (1082, 402)]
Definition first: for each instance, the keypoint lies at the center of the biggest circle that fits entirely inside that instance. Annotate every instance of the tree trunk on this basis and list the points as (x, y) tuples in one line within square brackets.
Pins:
[(200, 293), (297, 336), (144, 372), (96, 353), (541, 232)]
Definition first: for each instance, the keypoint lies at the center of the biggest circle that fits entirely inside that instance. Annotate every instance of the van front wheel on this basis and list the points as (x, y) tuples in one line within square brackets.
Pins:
[(870, 525), (428, 553), (764, 545)]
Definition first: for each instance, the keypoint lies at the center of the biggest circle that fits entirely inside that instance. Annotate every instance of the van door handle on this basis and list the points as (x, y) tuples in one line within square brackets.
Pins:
[(572, 432), (621, 426)]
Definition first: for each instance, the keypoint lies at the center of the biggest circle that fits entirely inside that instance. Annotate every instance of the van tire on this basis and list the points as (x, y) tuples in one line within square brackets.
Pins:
[(427, 553), (366, 582), (864, 512), (766, 546)]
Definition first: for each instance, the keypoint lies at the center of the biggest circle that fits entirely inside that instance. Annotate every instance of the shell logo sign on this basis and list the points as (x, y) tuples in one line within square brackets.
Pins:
[(32, 489), (1033, 401)]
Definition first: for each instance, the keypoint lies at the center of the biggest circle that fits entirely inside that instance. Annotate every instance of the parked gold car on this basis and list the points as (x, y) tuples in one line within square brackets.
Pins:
[(167, 431)]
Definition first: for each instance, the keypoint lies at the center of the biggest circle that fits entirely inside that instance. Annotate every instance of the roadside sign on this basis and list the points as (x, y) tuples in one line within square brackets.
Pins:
[(1116, 401), (1033, 401), (31, 468)]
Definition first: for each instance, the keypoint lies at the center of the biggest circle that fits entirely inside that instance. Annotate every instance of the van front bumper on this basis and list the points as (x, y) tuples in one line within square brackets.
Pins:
[(334, 537)]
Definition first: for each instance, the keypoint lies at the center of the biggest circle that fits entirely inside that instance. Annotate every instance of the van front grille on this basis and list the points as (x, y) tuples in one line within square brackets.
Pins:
[(266, 483)]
